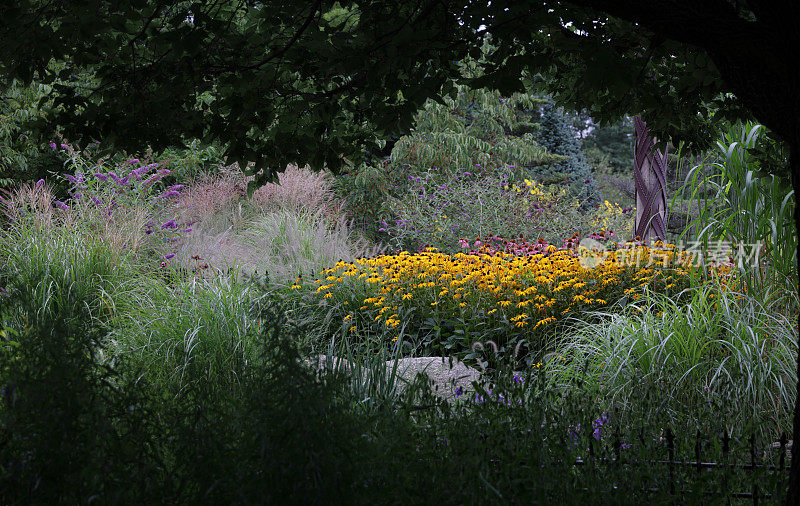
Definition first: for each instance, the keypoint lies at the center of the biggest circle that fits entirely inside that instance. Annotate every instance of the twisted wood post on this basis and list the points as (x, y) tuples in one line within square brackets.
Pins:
[(649, 176)]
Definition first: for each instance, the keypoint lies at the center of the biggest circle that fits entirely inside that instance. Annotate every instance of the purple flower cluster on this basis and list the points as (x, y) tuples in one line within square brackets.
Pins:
[(597, 429), (501, 397), (131, 184)]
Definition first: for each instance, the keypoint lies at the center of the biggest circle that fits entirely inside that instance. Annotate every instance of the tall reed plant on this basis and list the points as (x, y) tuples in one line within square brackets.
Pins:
[(740, 202)]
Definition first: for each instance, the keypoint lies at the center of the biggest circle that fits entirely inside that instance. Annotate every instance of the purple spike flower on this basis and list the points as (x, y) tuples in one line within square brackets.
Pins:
[(61, 205), (102, 177), (169, 224)]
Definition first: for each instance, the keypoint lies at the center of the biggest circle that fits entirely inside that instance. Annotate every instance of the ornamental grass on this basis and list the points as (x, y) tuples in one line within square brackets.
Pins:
[(449, 303)]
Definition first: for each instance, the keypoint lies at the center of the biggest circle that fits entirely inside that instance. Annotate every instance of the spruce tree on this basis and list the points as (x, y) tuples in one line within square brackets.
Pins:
[(558, 138)]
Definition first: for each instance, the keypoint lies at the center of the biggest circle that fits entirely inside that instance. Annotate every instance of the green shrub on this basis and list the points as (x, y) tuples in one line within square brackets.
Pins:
[(190, 162), (19, 144), (438, 212), (474, 131)]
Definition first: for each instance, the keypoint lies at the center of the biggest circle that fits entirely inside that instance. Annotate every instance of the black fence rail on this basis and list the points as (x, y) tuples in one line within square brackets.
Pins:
[(753, 474)]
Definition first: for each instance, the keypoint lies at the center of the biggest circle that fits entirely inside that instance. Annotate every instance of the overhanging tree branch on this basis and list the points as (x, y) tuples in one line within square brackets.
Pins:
[(292, 41)]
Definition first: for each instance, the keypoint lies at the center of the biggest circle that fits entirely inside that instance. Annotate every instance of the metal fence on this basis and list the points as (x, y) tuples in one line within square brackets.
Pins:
[(753, 475)]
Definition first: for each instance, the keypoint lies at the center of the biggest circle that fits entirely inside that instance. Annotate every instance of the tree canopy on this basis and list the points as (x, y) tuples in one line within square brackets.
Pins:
[(311, 82)]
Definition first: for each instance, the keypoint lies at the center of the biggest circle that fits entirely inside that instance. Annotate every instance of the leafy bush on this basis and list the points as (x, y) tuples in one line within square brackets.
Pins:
[(190, 162), (437, 213), (19, 144), (366, 192), (476, 130)]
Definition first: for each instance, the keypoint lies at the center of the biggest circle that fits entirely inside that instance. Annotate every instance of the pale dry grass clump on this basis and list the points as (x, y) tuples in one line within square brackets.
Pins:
[(283, 244), (29, 199), (287, 244), (211, 195), (34, 205), (297, 189)]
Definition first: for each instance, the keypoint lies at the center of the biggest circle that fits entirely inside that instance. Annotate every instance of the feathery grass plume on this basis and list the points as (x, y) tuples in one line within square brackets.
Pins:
[(297, 189), (210, 195), (29, 201)]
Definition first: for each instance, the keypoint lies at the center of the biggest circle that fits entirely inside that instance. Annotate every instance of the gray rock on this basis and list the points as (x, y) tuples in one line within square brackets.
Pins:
[(446, 379), (445, 375)]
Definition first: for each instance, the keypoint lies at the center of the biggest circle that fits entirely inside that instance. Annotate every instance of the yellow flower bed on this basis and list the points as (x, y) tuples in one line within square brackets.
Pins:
[(513, 295)]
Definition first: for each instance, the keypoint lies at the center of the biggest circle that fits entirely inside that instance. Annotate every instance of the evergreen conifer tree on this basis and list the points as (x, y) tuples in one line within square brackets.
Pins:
[(558, 138)]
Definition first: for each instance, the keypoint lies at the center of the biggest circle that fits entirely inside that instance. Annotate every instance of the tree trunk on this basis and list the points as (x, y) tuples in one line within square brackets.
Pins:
[(793, 497)]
